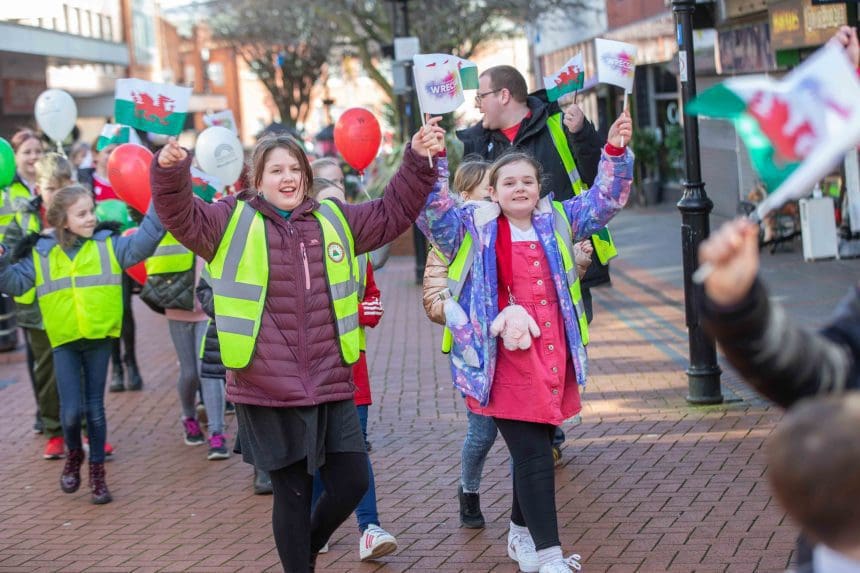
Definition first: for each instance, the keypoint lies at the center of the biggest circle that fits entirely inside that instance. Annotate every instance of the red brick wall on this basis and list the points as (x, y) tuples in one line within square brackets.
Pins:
[(622, 12)]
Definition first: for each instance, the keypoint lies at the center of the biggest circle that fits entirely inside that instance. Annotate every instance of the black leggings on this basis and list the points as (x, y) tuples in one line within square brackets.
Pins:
[(530, 445), (298, 534)]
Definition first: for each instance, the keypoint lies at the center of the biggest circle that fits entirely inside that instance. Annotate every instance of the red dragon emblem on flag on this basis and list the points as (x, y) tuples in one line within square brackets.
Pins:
[(149, 109), (795, 123), (568, 75)]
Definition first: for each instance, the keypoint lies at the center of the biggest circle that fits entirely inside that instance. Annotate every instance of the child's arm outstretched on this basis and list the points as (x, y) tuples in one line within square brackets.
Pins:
[(18, 278), (441, 219), (593, 209), (132, 249)]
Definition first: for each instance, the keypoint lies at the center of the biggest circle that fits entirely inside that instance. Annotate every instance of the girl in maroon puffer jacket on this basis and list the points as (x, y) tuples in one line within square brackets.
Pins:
[(294, 400)]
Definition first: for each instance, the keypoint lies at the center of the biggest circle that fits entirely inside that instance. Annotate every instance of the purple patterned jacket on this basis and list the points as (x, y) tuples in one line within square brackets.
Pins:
[(473, 357)]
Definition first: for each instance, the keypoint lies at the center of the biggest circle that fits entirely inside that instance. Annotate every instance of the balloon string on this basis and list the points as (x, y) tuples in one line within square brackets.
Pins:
[(60, 149), (364, 185)]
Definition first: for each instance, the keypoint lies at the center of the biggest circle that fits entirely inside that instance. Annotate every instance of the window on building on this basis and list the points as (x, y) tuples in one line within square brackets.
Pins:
[(107, 28), (143, 31), (215, 71), (86, 23)]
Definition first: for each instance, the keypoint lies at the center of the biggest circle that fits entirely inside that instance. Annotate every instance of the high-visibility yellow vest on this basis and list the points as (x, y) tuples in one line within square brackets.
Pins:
[(459, 268), (9, 199), (29, 222), (561, 227), (239, 275), (361, 282), (341, 268), (603, 244), (169, 257), (80, 297)]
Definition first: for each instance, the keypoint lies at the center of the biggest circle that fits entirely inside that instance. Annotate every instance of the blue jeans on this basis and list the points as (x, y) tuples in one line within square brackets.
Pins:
[(480, 437), (81, 368), (366, 512)]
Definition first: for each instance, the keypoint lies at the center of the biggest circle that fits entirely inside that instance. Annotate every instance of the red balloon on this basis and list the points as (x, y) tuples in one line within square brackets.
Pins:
[(357, 137), (128, 172), (138, 271)]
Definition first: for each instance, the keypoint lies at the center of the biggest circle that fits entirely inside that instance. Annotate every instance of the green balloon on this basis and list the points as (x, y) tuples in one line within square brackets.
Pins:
[(7, 163), (114, 210)]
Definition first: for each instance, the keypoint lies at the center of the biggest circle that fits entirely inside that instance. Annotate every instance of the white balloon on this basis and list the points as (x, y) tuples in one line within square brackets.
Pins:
[(56, 114), (220, 153)]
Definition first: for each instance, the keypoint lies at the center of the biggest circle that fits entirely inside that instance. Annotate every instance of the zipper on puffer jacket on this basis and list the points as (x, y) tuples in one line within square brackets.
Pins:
[(307, 268)]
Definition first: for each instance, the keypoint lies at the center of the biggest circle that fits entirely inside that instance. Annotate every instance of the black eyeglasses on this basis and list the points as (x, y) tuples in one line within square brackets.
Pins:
[(480, 96)]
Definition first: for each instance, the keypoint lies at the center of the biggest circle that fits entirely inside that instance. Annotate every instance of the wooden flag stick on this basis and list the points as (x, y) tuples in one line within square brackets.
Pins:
[(424, 125), (623, 110)]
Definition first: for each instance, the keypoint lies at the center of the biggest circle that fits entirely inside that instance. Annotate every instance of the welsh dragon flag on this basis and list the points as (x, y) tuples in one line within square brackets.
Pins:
[(204, 185), (468, 73), (115, 134), (156, 108), (570, 78), (795, 130)]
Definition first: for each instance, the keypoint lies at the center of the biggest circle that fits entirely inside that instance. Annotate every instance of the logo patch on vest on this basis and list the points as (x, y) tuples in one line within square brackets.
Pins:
[(335, 252)]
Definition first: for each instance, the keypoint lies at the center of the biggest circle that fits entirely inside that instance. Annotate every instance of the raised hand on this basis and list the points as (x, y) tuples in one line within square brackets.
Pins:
[(733, 253), (846, 37), (430, 139), (171, 155), (574, 119), (621, 131)]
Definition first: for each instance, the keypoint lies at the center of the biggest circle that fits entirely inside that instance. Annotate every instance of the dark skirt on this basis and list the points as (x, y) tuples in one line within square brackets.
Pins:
[(274, 438)]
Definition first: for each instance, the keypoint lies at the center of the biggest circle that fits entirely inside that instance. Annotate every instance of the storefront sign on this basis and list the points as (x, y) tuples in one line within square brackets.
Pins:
[(738, 8), (822, 22), (745, 49), (798, 23)]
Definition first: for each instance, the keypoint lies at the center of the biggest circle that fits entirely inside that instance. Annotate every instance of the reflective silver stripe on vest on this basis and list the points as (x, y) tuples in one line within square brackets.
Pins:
[(227, 285), (25, 223), (573, 175), (50, 285), (7, 208), (456, 287), (347, 323), (362, 276), (342, 290), (563, 228), (233, 325), (98, 280), (105, 278), (167, 250)]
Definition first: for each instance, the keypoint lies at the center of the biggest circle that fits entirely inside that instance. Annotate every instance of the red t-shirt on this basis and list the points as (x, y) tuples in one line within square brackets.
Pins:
[(511, 132), (102, 189)]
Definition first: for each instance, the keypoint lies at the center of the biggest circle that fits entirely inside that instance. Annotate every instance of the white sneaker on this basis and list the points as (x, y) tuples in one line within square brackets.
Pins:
[(324, 549), (376, 542), (568, 565), (521, 548)]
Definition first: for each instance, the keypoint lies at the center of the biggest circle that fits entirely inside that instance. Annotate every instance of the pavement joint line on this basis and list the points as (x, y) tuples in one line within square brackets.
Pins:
[(734, 391)]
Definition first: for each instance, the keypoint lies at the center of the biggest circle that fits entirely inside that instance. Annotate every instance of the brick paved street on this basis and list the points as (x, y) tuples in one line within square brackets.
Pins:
[(648, 483)]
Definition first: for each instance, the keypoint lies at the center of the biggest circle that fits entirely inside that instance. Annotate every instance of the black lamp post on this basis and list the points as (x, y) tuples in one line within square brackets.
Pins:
[(409, 122), (703, 375)]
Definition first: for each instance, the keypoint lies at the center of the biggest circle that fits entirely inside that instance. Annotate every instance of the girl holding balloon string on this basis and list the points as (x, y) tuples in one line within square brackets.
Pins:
[(286, 308)]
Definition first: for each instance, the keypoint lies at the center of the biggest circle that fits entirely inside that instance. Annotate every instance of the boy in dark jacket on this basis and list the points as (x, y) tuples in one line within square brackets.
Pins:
[(813, 464), (781, 361)]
